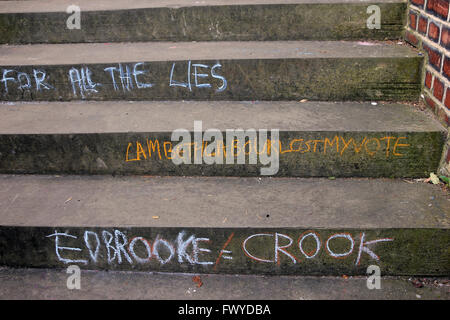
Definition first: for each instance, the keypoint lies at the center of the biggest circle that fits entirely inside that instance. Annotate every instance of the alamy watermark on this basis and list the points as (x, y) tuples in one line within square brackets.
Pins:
[(73, 281), (374, 21), (374, 277), (209, 147), (74, 20)]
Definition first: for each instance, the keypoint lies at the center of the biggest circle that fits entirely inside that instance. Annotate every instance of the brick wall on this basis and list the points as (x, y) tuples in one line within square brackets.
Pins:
[(428, 28)]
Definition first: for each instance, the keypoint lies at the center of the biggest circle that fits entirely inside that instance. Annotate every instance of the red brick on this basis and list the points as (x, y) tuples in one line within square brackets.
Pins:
[(423, 23), (438, 89), (434, 57), (430, 102), (413, 20), (438, 7), (434, 32), (411, 38), (445, 37), (442, 116), (418, 3), (446, 67), (447, 99), (428, 80)]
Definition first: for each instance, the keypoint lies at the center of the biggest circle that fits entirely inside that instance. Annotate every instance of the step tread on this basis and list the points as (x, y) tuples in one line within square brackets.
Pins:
[(50, 284), (204, 202), (166, 116), (92, 53), (106, 5)]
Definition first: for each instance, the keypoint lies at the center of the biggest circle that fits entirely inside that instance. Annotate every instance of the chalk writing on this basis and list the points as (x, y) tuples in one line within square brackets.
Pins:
[(313, 252), (126, 76), (23, 80), (187, 83), (59, 248), (81, 80), (390, 146), (123, 76), (184, 248), (340, 235), (182, 152), (223, 251)]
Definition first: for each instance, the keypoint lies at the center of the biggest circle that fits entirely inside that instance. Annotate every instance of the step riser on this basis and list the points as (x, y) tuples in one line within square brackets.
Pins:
[(333, 79), (300, 154), (241, 23), (237, 251)]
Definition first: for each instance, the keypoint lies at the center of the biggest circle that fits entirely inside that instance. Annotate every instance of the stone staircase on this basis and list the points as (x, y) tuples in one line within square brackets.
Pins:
[(86, 156)]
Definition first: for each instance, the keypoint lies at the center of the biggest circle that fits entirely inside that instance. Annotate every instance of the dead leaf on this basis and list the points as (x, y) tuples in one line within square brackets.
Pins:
[(417, 283), (197, 280), (434, 178)]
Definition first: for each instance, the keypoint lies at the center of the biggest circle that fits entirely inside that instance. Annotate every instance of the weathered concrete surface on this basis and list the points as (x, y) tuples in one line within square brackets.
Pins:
[(280, 70), (316, 139), (40, 200), (103, 21), (95, 285), (246, 250), (97, 53), (417, 154), (166, 116), (103, 5), (211, 225)]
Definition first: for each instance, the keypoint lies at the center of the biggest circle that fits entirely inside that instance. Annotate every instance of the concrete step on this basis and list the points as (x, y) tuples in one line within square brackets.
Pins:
[(51, 284), (186, 20), (319, 139), (279, 70), (275, 226)]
